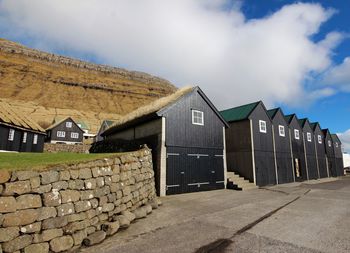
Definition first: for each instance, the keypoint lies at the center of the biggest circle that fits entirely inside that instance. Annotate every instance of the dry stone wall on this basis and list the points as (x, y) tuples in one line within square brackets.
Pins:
[(63, 208), (72, 148)]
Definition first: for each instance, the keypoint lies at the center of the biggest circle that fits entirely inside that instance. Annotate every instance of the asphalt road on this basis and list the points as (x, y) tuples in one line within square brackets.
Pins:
[(307, 217)]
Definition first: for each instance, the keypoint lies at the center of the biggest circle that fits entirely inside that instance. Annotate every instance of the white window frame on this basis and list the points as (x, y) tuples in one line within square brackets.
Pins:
[(336, 145), (196, 118), (296, 134), (281, 131), (262, 126), (69, 124), (35, 139), (24, 140), (329, 143), (308, 136), (319, 139), (74, 135), (61, 134), (11, 136)]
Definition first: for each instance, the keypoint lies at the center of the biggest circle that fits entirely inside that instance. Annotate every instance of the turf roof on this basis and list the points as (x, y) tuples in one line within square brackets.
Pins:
[(238, 113)]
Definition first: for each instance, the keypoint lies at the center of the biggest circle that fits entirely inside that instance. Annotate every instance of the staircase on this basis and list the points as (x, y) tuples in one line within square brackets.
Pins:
[(236, 182)]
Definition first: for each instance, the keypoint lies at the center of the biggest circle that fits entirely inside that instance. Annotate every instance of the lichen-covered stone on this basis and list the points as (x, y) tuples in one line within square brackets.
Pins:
[(85, 173), (81, 206), (26, 174), (8, 234), (61, 243), (52, 198), (20, 218), (140, 213), (28, 201), (77, 184), (75, 226), (5, 176), (60, 185), (107, 207), (84, 195), (64, 175), (31, 228), (111, 227), (56, 222), (74, 174), (34, 182), (48, 235), (46, 213), (129, 215), (48, 177), (17, 244), (70, 196), (94, 238), (79, 236), (37, 248), (19, 187), (65, 209), (124, 222), (76, 217), (42, 189), (90, 183), (8, 204)]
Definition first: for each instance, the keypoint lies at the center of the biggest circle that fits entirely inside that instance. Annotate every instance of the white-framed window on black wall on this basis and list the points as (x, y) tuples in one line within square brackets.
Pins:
[(262, 126), (35, 139), (308, 136), (197, 117), (61, 134), (74, 135), (24, 140), (329, 144), (336, 145), (296, 134), (11, 134), (319, 139), (68, 124), (281, 131)]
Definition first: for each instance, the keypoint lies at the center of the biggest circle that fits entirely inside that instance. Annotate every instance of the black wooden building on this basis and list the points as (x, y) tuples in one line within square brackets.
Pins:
[(298, 150), (282, 146), (186, 134), (320, 150), (64, 131), (18, 132), (249, 143), (309, 149), (328, 144), (338, 155)]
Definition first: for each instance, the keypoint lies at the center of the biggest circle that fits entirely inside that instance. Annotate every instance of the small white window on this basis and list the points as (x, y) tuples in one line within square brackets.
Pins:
[(262, 126), (336, 145), (68, 124), (296, 134), (24, 137), (61, 134), (281, 131), (11, 134), (35, 139), (319, 139), (74, 135), (308, 135), (329, 144), (197, 118)]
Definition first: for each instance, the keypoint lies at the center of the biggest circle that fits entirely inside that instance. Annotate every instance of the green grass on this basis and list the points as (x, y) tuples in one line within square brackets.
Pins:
[(20, 161)]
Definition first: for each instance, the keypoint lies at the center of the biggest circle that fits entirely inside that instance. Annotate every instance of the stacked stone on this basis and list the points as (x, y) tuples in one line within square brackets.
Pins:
[(63, 208), (59, 147)]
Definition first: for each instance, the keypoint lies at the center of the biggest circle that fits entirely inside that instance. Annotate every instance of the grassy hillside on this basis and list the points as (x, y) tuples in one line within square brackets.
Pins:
[(46, 85)]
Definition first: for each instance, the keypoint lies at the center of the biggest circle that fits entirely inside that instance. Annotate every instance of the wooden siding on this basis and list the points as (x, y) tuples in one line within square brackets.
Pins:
[(52, 133), (310, 151), (321, 152), (338, 155), (239, 149), (330, 156), (298, 149), (180, 132), (263, 148), (283, 154)]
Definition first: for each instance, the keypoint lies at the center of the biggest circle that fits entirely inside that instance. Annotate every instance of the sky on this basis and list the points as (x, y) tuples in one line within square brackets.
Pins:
[(291, 54)]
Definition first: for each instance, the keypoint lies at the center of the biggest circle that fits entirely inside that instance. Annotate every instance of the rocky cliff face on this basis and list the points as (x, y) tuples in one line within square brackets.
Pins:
[(60, 83)]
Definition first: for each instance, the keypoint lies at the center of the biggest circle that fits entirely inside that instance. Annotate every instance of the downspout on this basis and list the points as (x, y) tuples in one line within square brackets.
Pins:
[(163, 158), (274, 152), (291, 152), (224, 157), (253, 156), (307, 168), (318, 168)]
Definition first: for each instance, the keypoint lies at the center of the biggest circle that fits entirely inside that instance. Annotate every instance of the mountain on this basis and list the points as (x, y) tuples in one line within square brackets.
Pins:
[(45, 86)]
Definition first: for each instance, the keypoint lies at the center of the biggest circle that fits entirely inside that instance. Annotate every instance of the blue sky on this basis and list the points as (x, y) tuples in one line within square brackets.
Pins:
[(286, 53)]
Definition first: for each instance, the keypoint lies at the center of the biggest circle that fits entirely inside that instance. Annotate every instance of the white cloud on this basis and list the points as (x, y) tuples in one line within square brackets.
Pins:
[(339, 76), (345, 139), (190, 42)]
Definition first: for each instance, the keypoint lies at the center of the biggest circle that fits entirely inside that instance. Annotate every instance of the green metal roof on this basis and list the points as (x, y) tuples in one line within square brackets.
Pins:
[(302, 121), (272, 112), (314, 125), (238, 113), (289, 117)]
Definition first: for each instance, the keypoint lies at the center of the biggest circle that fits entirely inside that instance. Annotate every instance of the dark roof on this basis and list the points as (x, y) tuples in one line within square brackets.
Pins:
[(239, 113), (272, 112), (58, 122), (314, 125), (335, 138), (15, 118), (302, 121), (325, 131), (155, 109), (289, 117)]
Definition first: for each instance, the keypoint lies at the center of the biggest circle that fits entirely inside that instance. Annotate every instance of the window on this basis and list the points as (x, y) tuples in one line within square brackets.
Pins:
[(296, 134), (11, 135), (74, 135), (336, 145), (35, 139), (197, 118), (308, 135), (61, 134), (68, 124), (329, 144), (319, 139), (262, 126), (24, 137), (281, 131)]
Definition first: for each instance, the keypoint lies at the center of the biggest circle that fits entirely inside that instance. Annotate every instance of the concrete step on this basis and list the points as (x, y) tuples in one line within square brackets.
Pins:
[(236, 182)]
